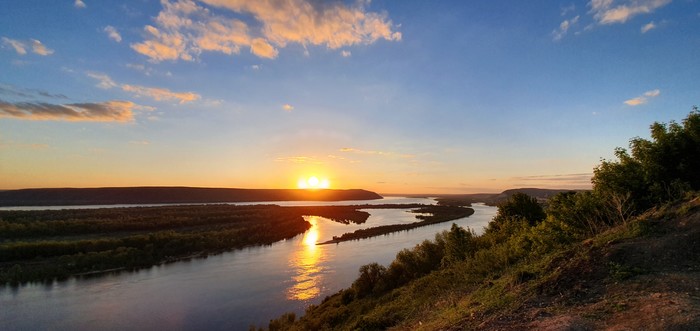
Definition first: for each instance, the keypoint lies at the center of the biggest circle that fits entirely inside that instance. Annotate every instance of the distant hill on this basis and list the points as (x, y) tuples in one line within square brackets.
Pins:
[(151, 195), (493, 199)]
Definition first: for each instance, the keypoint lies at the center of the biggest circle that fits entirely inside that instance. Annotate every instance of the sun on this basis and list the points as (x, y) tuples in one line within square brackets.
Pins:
[(313, 182)]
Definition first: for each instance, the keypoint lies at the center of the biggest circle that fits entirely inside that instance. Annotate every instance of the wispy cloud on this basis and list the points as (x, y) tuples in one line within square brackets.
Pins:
[(564, 27), (155, 93), (620, 11), (377, 153), (28, 93), (17, 45), (160, 94), (79, 4), (21, 47), (110, 111), (582, 180), (568, 9), (346, 53), (642, 99), (39, 48), (184, 29), (112, 33), (299, 159), (648, 27), (287, 107)]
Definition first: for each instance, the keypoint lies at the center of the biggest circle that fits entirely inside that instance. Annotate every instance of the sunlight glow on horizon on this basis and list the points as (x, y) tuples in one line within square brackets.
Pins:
[(313, 183)]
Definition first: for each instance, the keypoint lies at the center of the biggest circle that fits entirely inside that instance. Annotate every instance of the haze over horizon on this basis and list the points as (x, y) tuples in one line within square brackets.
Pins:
[(388, 96)]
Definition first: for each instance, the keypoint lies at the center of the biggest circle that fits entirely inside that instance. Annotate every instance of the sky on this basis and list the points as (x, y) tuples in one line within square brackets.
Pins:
[(390, 96)]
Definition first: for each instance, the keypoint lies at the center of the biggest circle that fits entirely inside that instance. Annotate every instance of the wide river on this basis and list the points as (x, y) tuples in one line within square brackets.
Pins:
[(229, 291)]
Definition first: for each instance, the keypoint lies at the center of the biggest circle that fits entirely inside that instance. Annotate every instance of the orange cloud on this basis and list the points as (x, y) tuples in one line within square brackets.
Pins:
[(642, 99), (610, 12), (155, 93), (160, 94), (110, 111), (184, 29)]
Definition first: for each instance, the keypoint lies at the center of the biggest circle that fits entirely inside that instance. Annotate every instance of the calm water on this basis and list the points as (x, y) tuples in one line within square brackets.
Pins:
[(229, 291)]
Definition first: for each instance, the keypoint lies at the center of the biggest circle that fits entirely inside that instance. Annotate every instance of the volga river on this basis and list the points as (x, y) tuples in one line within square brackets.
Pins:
[(230, 291)]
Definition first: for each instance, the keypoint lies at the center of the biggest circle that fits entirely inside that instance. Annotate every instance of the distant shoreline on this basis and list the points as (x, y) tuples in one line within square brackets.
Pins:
[(170, 195)]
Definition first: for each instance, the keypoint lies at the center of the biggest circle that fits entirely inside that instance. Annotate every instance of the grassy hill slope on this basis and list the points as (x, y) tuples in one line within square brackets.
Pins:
[(643, 274)]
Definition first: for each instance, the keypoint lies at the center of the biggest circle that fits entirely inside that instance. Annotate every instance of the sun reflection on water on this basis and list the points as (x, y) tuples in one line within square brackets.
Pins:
[(305, 264)]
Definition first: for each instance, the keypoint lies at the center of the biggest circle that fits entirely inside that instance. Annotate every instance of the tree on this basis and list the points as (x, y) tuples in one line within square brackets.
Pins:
[(459, 244), (370, 275), (654, 171), (520, 205)]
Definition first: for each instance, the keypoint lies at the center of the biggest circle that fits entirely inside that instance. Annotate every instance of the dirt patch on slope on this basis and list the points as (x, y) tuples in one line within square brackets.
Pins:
[(647, 283)]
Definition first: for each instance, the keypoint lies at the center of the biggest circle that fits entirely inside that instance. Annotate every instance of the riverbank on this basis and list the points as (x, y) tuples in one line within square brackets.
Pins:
[(428, 214), (56, 244)]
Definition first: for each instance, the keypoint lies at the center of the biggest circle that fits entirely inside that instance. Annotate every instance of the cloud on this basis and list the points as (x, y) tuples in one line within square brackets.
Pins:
[(21, 47), (39, 48), (564, 27), (112, 33), (262, 48), (620, 11), (28, 93), (568, 9), (79, 4), (17, 45), (298, 159), (155, 93), (346, 53), (582, 180), (287, 107), (647, 27), (183, 30), (110, 111), (140, 142), (160, 94), (378, 153), (642, 99), (105, 82)]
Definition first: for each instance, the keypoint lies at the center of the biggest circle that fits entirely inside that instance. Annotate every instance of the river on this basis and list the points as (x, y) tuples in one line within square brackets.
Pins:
[(229, 291)]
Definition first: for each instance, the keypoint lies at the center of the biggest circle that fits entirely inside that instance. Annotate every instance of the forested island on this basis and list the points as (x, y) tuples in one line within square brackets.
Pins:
[(624, 255), (171, 195)]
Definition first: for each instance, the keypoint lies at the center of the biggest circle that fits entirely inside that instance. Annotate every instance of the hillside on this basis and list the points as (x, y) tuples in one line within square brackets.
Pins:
[(153, 195), (643, 274)]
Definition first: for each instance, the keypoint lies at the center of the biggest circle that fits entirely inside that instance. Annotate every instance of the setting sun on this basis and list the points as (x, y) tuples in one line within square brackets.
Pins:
[(313, 182)]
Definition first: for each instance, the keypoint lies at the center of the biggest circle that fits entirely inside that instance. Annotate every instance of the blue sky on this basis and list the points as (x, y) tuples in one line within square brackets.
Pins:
[(391, 96)]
